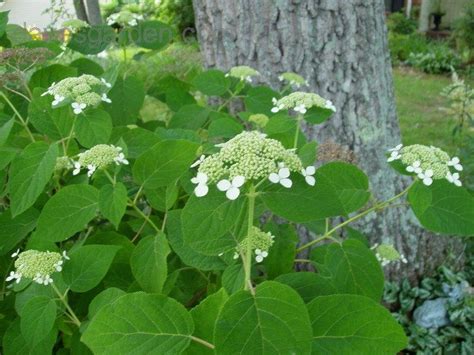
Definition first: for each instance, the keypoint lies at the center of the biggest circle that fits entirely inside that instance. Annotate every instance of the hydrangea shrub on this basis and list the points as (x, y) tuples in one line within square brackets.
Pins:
[(120, 235)]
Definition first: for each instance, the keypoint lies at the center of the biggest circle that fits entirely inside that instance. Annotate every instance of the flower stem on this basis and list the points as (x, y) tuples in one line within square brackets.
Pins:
[(145, 217), (71, 313), (202, 342), (20, 117), (297, 132), (328, 234), (248, 253)]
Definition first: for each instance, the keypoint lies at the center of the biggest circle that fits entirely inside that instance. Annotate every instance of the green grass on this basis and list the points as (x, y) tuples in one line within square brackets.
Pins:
[(419, 101)]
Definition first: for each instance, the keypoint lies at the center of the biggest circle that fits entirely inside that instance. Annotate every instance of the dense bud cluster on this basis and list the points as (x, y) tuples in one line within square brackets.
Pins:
[(36, 265), (428, 163), (99, 157), (386, 254), (243, 73), (63, 163), (258, 241), (259, 119), (124, 18), (293, 79), (83, 91), (301, 102)]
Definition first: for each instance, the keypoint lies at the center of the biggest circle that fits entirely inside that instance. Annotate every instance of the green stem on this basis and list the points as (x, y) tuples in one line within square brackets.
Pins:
[(69, 137), (20, 117), (145, 217), (68, 308), (202, 342), (297, 133), (248, 253), (328, 235)]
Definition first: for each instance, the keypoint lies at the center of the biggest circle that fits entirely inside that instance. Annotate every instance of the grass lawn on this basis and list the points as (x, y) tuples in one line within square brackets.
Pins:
[(419, 100)]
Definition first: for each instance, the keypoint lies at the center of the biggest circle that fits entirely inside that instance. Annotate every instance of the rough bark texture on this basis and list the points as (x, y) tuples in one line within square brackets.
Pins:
[(93, 12), (80, 10), (340, 46)]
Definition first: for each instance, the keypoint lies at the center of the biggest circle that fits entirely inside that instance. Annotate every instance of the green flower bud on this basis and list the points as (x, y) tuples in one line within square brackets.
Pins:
[(293, 79), (301, 102), (243, 73), (258, 241), (259, 119)]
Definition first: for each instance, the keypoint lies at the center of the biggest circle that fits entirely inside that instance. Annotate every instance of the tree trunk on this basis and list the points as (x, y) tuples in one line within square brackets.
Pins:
[(409, 6), (80, 10), (424, 22), (93, 12), (340, 46)]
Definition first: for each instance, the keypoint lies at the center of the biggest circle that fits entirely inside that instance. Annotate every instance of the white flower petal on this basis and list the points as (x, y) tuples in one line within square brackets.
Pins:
[(224, 185), (238, 181), (310, 180), (201, 190), (274, 178), (286, 183), (233, 193), (310, 170), (427, 181), (259, 258), (284, 173)]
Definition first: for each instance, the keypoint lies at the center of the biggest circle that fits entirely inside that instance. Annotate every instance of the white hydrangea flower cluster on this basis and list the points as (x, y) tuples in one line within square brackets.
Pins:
[(428, 163), (99, 157), (243, 73), (260, 243), (36, 265), (293, 79), (300, 102), (124, 18), (248, 156), (386, 253), (83, 91)]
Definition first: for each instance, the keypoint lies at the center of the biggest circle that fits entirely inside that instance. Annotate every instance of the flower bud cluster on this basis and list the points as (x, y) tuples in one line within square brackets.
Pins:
[(243, 73), (293, 79), (301, 102), (258, 241), (428, 163), (63, 163), (99, 157), (386, 253), (124, 18), (259, 119), (75, 24), (37, 266), (83, 91)]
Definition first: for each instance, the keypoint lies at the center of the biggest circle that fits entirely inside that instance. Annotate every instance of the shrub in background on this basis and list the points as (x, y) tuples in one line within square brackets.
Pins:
[(399, 23), (177, 13)]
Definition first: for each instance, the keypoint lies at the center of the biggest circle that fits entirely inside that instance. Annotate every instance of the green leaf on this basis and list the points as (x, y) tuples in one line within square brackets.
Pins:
[(15, 229), (259, 100), (187, 254), (443, 208), (113, 202), (208, 222), (307, 284), (317, 115), (67, 212), (17, 34), (205, 316), (190, 117), (340, 189), (44, 77), (152, 34), (55, 123), (138, 141), (351, 324), (29, 174), (93, 127), (282, 128), (88, 266), (3, 21), (148, 262), (127, 96), (273, 321), (108, 296), (5, 130), (225, 127), (164, 163), (87, 66), (307, 153), (92, 40), (350, 267), (212, 82), (281, 256), (140, 323), (233, 278), (37, 319), (14, 343)]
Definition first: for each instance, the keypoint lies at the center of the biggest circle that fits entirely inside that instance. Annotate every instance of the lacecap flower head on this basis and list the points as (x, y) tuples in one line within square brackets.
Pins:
[(243, 73), (36, 265), (386, 253), (99, 157), (80, 92), (247, 156), (260, 243), (428, 163), (124, 18), (293, 79), (300, 102)]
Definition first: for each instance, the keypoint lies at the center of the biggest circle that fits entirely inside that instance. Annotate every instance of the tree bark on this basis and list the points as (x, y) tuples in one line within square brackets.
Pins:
[(341, 47), (424, 22), (93, 12), (80, 8)]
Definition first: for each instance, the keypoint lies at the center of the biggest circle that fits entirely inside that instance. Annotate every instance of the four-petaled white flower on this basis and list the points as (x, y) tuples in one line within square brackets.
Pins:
[(454, 179), (426, 177), (260, 255), (415, 167), (198, 162), (281, 177), (57, 100), (43, 280), (120, 159), (277, 108), (65, 256), (14, 276), (231, 188), (300, 108), (77, 168), (201, 180), (78, 108), (15, 254), (105, 82), (395, 155), (91, 169), (396, 149), (59, 265), (308, 173), (105, 98), (455, 163)]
